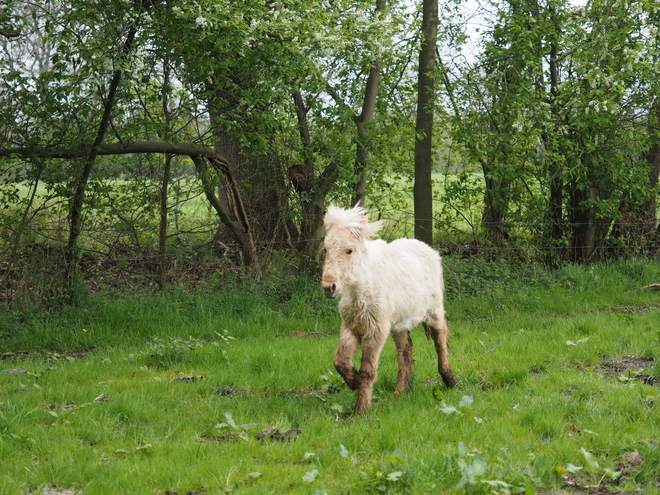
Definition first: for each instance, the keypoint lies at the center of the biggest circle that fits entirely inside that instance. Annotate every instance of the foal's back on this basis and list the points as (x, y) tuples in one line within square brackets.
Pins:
[(407, 275)]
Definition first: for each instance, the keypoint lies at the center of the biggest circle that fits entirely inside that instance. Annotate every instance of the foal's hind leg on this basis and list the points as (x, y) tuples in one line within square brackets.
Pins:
[(343, 360), (404, 355), (436, 328)]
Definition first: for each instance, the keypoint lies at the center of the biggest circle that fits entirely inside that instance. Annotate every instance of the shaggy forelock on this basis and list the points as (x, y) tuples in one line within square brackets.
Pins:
[(354, 219)]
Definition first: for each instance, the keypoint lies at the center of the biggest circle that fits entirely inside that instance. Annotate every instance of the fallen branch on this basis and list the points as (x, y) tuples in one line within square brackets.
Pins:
[(649, 287)]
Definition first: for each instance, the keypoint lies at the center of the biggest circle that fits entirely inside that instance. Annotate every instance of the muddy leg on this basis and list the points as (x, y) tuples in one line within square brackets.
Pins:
[(404, 355), (371, 349), (436, 328), (343, 360)]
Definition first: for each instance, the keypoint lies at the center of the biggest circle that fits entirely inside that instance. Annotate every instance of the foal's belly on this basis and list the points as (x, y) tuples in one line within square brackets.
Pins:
[(407, 322)]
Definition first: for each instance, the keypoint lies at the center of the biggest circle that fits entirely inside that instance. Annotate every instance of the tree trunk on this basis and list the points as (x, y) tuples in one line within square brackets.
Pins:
[(78, 197), (652, 157), (584, 224), (555, 213), (362, 122), (311, 189), (167, 168), (423, 188), (363, 139), (496, 198), (240, 227), (162, 229)]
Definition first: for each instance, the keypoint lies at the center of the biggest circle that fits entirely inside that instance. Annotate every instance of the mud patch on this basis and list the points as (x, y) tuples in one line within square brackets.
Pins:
[(55, 490), (227, 392), (188, 378), (14, 371), (629, 464), (53, 356), (633, 309), (299, 334), (631, 368), (321, 392), (279, 435), (228, 437), (273, 434)]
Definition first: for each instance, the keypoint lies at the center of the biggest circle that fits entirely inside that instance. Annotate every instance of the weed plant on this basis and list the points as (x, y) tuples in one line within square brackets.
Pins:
[(231, 390)]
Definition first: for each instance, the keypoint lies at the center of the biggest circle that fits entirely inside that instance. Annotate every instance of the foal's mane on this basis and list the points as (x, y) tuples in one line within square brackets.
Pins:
[(354, 219)]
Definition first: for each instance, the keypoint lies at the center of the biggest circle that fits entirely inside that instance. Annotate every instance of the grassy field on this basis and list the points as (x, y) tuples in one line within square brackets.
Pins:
[(232, 391)]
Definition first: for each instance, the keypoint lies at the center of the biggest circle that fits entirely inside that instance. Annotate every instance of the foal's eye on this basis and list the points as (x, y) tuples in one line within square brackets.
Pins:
[(350, 251)]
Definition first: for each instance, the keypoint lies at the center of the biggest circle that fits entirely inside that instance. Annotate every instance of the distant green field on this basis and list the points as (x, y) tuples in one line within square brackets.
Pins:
[(395, 204), (116, 211), (558, 392)]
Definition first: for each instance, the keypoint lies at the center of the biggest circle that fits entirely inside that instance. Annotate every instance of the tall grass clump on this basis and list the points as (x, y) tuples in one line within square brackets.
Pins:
[(279, 303)]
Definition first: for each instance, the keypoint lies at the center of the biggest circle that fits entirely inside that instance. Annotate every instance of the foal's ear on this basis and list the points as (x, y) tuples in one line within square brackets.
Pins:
[(367, 229), (331, 217)]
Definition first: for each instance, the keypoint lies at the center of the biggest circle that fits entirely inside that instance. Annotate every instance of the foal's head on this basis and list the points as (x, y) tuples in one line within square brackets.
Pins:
[(343, 250)]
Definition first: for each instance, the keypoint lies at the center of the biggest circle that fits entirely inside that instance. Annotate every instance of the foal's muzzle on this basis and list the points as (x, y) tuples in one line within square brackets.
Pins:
[(330, 290), (329, 285)]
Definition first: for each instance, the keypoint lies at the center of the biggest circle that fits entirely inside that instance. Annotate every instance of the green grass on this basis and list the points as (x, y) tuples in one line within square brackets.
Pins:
[(143, 410)]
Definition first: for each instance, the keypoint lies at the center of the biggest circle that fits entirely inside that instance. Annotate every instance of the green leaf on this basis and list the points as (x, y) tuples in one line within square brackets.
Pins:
[(310, 476), (466, 401), (396, 456), (251, 477), (447, 409), (611, 473), (343, 451), (479, 467), (436, 393), (497, 483), (592, 463), (394, 476), (493, 346), (462, 449)]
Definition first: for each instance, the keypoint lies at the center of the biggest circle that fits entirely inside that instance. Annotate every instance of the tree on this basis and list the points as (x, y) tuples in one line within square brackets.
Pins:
[(548, 113), (423, 190)]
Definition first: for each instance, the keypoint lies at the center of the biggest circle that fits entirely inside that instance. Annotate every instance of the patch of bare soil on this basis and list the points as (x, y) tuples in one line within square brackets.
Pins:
[(631, 368), (634, 309), (14, 371), (54, 490), (194, 492), (230, 436), (628, 465), (267, 434), (279, 435), (227, 392), (55, 356), (311, 392), (187, 378), (296, 333)]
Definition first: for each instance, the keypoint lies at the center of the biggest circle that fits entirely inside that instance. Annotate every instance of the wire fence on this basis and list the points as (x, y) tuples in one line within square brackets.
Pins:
[(103, 238), (124, 252)]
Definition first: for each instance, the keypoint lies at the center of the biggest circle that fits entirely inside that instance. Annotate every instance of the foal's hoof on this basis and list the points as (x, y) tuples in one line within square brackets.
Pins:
[(449, 379)]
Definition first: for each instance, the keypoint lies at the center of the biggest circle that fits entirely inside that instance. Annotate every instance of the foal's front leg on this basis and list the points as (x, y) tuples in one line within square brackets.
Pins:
[(343, 360), (372, 346)]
